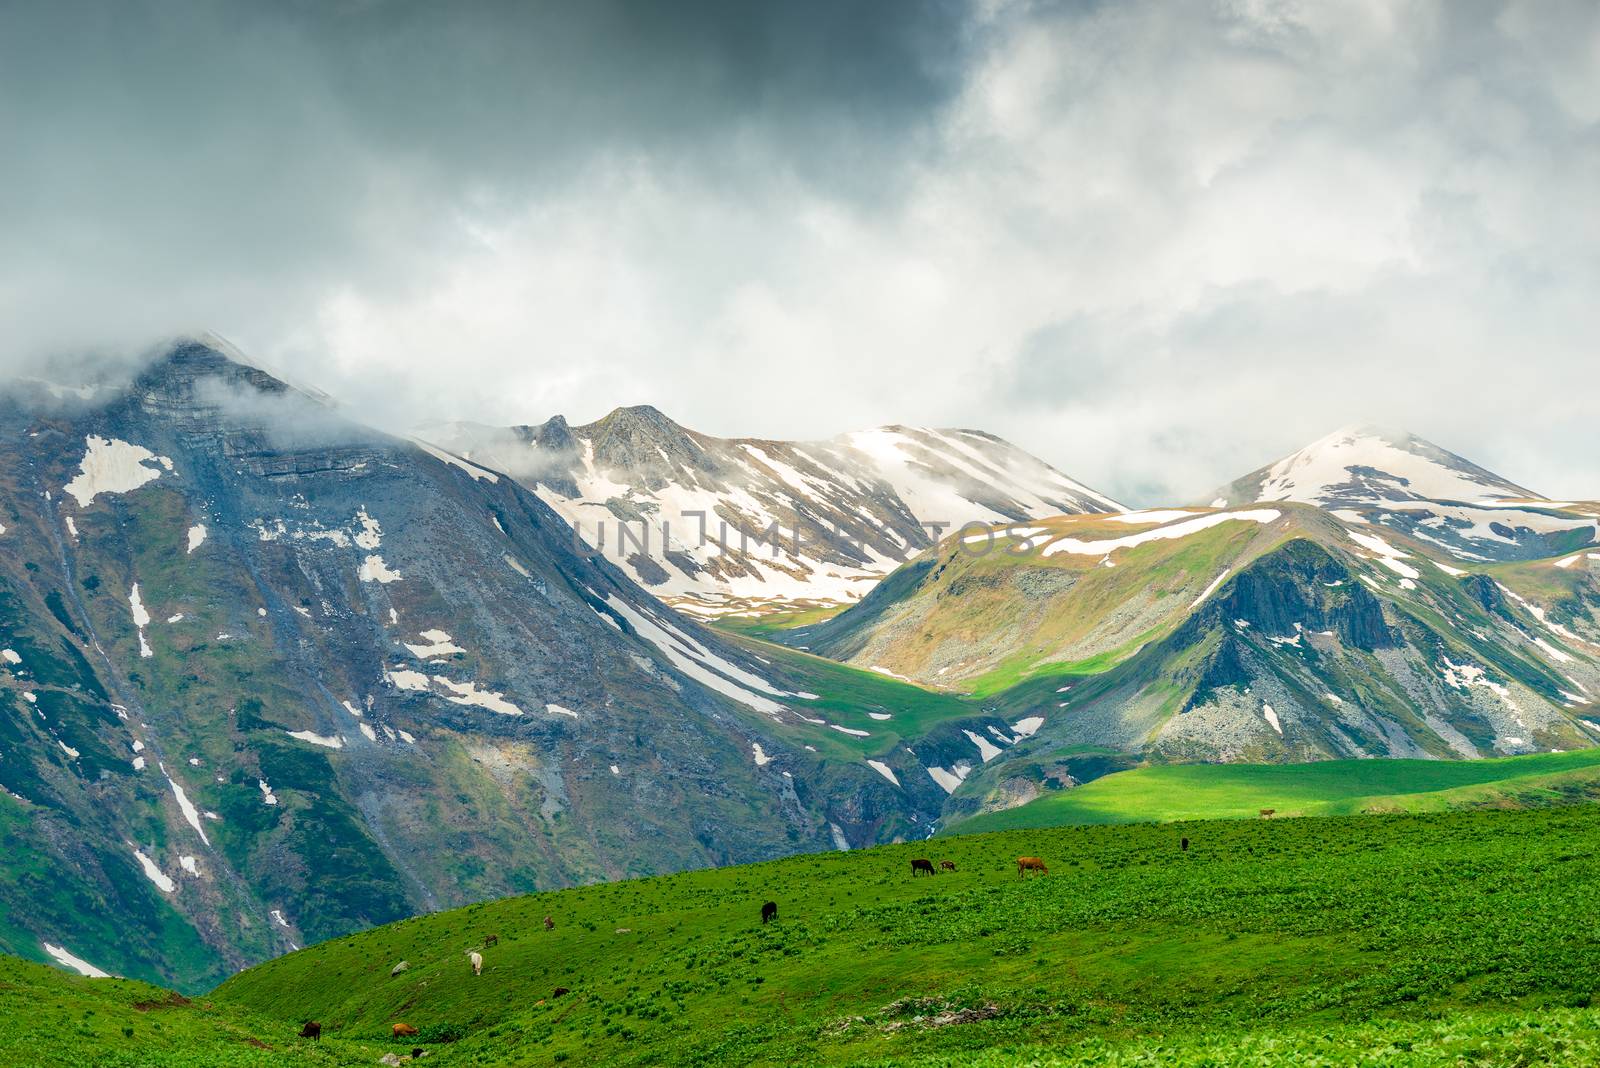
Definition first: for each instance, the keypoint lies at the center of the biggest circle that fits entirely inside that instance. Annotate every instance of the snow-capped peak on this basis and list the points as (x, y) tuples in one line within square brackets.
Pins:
[(1362, 464)]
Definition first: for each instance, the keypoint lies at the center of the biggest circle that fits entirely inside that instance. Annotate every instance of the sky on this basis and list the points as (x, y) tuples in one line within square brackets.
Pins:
[(1158, 245)]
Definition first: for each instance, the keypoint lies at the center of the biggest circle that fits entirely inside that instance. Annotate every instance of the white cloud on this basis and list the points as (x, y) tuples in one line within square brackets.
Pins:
[(1158, 245)]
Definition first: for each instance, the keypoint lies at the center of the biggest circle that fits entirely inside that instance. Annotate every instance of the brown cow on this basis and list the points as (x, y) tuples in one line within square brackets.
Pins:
[(947, 865), (402, 1030), (549, 924), (1027, 864), (1268, 813), (312, 1030), (491, 940), (559, 991), (921, 865)]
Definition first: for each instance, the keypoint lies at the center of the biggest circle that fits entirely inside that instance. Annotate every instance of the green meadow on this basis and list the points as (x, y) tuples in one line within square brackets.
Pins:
[(1463, 937), (1326, 788)]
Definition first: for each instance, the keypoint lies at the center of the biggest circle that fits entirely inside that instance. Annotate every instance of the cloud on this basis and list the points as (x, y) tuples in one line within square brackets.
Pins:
[(1156, 245)]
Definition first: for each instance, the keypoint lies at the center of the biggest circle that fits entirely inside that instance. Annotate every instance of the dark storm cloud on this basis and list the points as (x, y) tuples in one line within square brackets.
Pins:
[(187, 159)]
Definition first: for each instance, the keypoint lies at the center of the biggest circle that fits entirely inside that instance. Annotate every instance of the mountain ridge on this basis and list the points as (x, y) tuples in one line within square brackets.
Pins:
[(845, 511)]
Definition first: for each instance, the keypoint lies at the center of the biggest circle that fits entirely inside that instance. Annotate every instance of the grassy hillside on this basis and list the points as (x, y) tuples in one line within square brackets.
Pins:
[(53, 1018), (1411, 940), (1259, 926), (1326, 788)]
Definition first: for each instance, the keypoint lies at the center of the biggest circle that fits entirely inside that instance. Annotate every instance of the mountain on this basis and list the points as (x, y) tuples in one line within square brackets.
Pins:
[(270, 676), (1260, 633), (718, 525), (1401, 481)]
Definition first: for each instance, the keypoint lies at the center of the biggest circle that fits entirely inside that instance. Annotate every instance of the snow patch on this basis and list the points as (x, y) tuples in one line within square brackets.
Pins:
[(153, 872), (141, 619), (373, 569), (986, 749), (1078, 547), (883, 769), (1272, 718), (190, 814), (439, 644), (467, 693), (1388, 555), (1209, 590), (112, 466), (1027, 727), (76, 963), (197, 537), (402, 679), (326, 741)]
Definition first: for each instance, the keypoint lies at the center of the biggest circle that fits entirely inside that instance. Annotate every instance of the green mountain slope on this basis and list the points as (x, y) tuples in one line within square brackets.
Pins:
[(1281, 633), (1440, 935)]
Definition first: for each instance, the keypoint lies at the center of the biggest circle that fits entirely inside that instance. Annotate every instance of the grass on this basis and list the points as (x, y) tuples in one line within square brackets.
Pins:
[(849, 696), (1449, 938), (1325, 788), (767, 620)]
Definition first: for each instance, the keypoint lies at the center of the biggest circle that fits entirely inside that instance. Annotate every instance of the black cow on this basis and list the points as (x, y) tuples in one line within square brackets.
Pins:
[(312, 1030), (922, 866), (769, 912)]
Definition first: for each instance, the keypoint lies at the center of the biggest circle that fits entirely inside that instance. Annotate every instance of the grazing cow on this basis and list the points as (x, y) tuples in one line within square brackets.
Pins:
[(491, 940), (769, 912), (559, 991), (920, 866), (312, 1030), (416, 1053), (947, 865), (1268, 813), (1027, 864), (477, 962), (402, 1030), (549, 924), (1183, 844)]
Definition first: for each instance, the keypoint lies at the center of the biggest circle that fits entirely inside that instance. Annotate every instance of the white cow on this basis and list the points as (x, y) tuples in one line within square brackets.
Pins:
[(477, 962)]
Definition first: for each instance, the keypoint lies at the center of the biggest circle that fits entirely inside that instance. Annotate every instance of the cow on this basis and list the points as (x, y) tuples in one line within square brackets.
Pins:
[(769, 912), (477, 962), (416, 1053), (1183, 844), (559, 991), (402, 1030), (1027, 864), (549, 924), (921, 865), (491, 940), (312, 1030), (947, 865), (1268, 813)]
